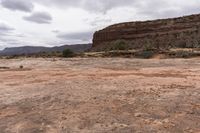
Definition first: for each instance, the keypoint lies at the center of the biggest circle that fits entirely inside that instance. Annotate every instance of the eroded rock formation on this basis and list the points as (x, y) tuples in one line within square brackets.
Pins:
[(163, 33)]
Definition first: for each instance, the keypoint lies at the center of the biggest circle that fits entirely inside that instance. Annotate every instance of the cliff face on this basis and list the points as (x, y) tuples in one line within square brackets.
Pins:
[(164, 33)]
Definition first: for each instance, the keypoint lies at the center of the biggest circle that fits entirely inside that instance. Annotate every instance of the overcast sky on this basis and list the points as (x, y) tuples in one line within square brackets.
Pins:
[(58, 22)]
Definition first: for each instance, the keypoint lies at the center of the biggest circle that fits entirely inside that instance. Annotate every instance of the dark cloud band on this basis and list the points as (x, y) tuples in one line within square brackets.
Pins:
[(20, 5), (79, 36), (5, 28), (39, 17)]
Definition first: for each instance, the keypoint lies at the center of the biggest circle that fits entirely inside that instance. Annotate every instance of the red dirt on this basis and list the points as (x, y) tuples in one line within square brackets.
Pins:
[(100, 95)]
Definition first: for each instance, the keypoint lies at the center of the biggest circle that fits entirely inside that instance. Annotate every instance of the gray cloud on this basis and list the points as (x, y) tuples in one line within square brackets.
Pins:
[(39, 17), (167, 9), (10, 42), (20, 5), (99, 21), (146, 7), (8, 38), (79, 36), (5, 30), (55, 31), (91, 5)]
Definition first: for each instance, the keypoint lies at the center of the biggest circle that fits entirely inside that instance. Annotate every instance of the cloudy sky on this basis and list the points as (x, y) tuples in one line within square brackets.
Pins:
[(58, 22)]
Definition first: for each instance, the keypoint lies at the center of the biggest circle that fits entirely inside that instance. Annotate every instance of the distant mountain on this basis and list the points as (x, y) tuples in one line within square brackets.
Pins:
[(33, 49)]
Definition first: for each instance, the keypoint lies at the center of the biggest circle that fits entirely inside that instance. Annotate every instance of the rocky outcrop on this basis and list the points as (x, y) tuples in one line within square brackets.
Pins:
[(163, 33)]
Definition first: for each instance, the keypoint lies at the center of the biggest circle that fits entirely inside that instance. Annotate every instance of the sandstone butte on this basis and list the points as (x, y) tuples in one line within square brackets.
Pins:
[(181, 32)]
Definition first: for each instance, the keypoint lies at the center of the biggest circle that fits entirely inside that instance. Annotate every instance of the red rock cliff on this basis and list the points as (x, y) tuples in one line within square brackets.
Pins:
[(176, 32)]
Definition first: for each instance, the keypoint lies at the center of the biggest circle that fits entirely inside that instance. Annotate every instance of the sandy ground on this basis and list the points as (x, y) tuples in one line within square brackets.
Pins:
[(100, 96)]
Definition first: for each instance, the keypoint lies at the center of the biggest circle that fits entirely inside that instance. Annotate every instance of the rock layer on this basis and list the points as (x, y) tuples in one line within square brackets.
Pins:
[(163, 33)]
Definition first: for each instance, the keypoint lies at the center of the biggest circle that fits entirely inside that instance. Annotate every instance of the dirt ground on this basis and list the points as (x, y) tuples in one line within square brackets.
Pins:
[(100, 95)]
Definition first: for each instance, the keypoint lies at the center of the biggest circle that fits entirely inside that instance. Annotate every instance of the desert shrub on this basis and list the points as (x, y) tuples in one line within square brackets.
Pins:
[(182, 54), (145, 54), (181, 44), (148, 47), (68, 53), (125, 54), (119, 45)]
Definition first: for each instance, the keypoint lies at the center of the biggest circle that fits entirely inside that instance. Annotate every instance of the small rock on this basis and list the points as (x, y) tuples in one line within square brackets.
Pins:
[(21, 67), (166, 120), (157, 122), (165, 126), (138, 114), (191, 131), (147, 121)]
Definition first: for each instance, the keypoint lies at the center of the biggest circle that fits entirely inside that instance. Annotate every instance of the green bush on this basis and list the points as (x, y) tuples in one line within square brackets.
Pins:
[(68, 53), (148, 47), (119, 45)]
